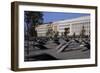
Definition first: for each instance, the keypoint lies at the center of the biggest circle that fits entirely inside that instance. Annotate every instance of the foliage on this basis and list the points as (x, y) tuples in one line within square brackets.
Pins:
[(82, 33), (32, 20), (66, 32), (74, 35)]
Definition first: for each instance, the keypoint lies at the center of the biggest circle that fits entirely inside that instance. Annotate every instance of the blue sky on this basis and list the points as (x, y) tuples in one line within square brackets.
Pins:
[(55, 16)]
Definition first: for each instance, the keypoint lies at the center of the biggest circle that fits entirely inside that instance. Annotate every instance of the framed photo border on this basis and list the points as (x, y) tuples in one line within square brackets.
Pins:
[(15, 34)]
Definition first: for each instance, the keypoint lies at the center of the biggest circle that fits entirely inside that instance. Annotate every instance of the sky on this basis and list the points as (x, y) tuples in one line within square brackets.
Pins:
[(56, 16)]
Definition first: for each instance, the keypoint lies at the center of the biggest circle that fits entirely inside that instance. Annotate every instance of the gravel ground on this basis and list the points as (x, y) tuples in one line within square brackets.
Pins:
[(74, 51)]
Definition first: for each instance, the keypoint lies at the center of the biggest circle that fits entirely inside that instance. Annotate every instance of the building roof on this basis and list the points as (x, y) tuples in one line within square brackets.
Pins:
[(82, 18)]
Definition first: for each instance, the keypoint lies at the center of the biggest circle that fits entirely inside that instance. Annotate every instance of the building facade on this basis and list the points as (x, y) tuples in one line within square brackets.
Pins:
[(42, 30), (75, 26)]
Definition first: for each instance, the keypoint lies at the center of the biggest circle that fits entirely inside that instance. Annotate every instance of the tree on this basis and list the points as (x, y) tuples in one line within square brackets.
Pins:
[(33, 19), (82, 34), (56, 34), (49, 32), (74, 35), (66, 32)]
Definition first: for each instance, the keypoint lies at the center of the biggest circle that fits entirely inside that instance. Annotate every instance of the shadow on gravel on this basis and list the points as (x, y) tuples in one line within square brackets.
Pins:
[(41, 57)]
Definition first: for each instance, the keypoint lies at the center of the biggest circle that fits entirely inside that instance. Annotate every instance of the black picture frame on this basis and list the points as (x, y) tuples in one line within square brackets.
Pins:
[(15, 39)]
